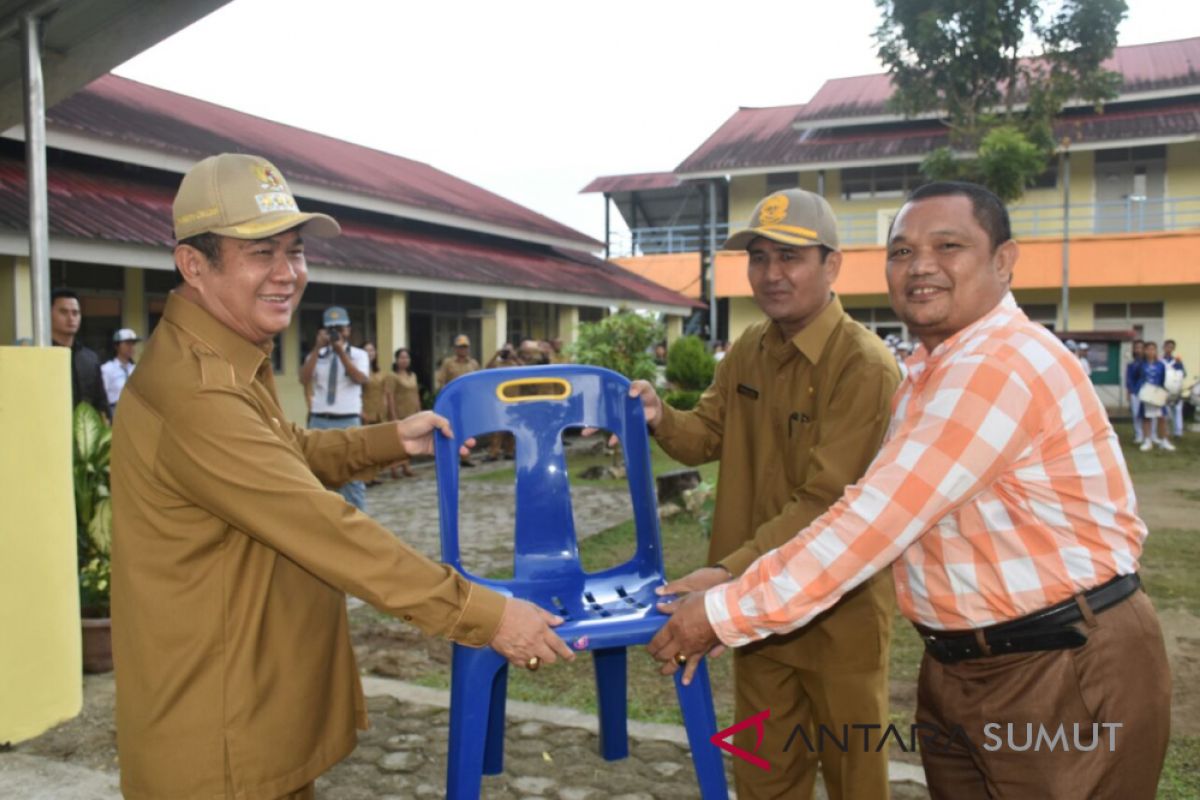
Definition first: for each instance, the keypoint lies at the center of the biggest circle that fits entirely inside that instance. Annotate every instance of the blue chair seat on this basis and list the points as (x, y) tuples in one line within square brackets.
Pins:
[(605, 612)]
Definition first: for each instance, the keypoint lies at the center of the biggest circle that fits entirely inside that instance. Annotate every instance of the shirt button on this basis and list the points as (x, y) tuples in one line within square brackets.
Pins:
[(811, 390)]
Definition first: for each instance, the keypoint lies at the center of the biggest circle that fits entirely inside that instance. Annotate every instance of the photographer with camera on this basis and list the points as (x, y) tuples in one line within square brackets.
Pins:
[(333, 374)]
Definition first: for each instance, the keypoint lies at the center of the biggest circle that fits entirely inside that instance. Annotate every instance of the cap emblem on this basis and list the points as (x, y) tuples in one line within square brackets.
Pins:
[(774, 210)]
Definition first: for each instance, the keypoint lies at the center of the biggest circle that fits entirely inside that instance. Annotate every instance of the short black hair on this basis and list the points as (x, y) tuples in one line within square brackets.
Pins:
[(1139, 341), (209, 245), (1168, 341), (1150, 344), (989, 210), (62, 292)]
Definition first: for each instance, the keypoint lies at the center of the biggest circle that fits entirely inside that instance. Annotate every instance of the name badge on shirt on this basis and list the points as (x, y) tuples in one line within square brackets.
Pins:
[(748, 391)]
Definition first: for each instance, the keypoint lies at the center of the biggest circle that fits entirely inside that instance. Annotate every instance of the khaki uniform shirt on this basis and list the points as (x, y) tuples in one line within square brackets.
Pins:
[(793, 423), (452, 368), (230, 564)]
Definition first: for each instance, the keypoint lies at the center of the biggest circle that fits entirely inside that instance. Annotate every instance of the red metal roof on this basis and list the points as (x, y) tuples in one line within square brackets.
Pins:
[(92, 206), (134, 114), (636, 182), (1144, 67), (751, 139), (752, 136)]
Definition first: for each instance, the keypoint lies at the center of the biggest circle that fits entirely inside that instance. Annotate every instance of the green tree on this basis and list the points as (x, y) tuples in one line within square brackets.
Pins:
[(999, 72), (620, 342)]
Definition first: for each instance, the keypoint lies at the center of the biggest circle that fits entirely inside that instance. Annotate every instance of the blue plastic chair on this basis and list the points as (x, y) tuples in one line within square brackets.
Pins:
[(605, 612)]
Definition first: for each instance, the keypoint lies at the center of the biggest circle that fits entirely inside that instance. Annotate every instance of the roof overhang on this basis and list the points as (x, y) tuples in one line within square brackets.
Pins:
[(810, 123), (168, 162), (142, 256), (84, 39)]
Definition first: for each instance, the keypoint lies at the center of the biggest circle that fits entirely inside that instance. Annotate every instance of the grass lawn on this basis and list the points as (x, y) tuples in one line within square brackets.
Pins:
[(1170, 563)]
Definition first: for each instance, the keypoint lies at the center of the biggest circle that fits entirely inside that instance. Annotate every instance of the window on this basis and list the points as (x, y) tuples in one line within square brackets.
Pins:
[(1045, 314), (778, 181), (889, 180), (882, 321)]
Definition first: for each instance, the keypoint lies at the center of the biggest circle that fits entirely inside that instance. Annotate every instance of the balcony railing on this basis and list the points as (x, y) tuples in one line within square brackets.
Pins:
[(1131, 215)]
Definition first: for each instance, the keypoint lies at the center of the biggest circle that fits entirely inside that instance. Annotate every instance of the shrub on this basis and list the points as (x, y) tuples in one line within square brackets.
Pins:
[(689, 364), (682, 399), (620, 342)]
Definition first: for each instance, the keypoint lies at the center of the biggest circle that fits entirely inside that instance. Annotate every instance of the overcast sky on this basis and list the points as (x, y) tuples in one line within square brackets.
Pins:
[(533, 98)]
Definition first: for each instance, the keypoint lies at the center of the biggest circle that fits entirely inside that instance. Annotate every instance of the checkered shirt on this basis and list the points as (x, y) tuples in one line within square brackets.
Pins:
[(1000, 490)]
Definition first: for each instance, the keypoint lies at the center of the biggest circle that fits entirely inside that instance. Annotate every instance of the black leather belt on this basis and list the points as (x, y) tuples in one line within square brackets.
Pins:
[(1048, 629), (335, 416)]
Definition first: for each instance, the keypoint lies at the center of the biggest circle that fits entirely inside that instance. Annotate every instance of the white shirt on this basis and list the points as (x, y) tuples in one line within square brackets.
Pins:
[(349, 393), (115, 373)]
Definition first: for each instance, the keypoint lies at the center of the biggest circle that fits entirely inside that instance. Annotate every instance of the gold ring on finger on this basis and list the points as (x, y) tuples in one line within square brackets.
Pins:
[(533, 663), (680, 659)]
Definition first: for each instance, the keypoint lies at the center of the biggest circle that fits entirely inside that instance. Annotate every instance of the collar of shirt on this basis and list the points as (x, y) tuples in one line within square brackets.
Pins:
[(246, 357), (1000, 315), (810, 342)]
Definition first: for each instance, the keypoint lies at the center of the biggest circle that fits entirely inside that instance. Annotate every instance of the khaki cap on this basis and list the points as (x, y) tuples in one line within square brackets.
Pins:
[(243, 197), (462, 340), (794, 217)]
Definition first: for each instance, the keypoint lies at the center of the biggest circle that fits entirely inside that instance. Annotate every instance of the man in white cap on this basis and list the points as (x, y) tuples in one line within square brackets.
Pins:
[(333, 375), (117, 370), (796, 411), (231, 561)]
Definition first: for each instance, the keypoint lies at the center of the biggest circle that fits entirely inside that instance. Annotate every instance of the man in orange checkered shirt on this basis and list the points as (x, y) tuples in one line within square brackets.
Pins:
[(1003, 504)]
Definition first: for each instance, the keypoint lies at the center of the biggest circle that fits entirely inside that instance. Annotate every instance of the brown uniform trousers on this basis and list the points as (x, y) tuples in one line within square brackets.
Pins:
[(1119, 677), (794, 422)]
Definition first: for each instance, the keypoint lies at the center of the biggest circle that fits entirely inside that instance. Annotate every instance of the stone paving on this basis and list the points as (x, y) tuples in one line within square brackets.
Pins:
[(550, 753), (408, 507)]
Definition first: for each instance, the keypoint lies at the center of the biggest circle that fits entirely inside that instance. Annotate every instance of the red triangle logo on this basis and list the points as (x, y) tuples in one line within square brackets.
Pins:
[(724, 739)]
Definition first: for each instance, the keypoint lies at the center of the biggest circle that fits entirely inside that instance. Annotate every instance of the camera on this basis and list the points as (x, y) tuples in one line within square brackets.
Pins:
[(335, 335)]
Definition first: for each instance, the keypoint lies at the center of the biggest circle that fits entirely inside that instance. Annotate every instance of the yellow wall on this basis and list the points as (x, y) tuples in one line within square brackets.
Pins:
[(287, 382), (1181, 313), (674, 328), (744, 193), (16, 293), (40, 662), (743, 312), (1183, 172)]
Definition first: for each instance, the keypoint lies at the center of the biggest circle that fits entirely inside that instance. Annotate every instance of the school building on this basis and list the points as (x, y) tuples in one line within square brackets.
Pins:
[(1120, 205), (424, 255)]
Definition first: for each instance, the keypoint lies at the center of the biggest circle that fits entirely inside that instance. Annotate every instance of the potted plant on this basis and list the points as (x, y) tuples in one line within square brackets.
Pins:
[(93, 530)]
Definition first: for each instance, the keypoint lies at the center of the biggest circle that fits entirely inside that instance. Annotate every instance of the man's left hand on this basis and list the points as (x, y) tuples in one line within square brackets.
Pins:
[(416, 433), (687, 633)]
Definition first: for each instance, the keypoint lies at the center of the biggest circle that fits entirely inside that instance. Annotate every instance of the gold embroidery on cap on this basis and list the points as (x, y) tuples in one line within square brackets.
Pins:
[(195, 215), (268, 178), (774, 209)]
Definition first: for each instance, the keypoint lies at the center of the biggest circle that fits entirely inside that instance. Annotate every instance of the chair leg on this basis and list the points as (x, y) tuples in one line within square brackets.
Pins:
[(493, 752), (612, 699), (700, 721), (473, 676)]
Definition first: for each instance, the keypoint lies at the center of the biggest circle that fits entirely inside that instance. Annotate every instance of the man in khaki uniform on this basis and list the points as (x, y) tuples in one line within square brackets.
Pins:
[(235, 676), (456, 365), (797, 410)]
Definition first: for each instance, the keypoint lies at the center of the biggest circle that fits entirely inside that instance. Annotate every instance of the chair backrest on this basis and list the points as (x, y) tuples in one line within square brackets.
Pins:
[(516, 400)]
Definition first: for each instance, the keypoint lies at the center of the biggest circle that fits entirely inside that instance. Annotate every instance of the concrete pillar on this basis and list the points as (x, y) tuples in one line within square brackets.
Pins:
[(674, 328), (494, 327), (568, 324), (391, 323), (133, 305), (287, 382)]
